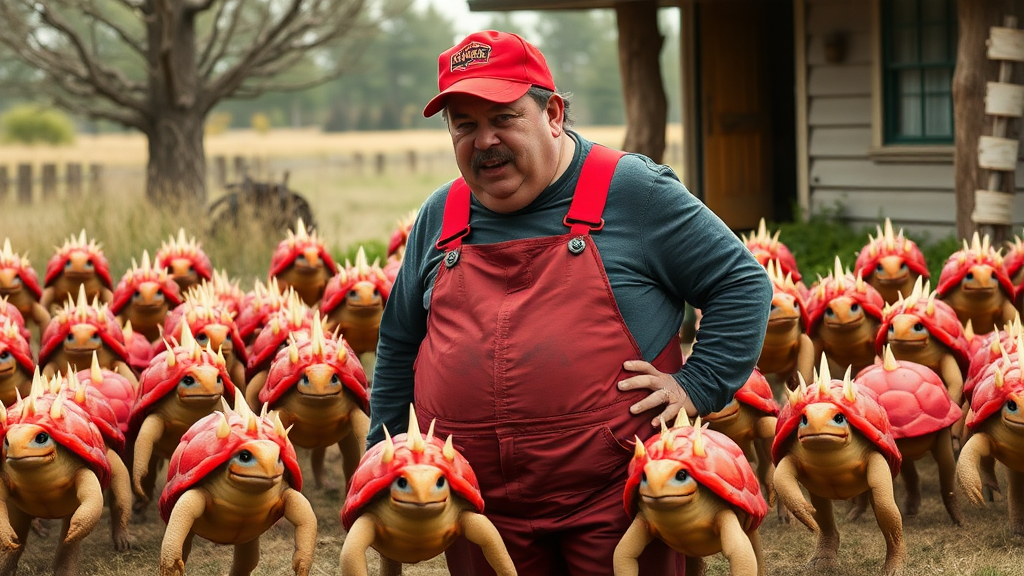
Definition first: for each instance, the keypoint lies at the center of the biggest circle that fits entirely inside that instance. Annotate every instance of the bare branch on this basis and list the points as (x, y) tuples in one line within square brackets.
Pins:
[(197, 5), (212, 39), (206, 67), (121, 116), (120, 32)]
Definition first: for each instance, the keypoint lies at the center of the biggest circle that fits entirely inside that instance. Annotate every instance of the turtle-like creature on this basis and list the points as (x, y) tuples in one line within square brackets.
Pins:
[(258, 307), (921, 414), (291, 319), (354, 302), (144, 296), (694, 490), (787, 349), (410, 499), (891, 263), (232, 477), (975, 284), (184, 260), (767, 248), (55, 466), (213, 325), (79, 263), (181, 385), (302, 262), (844, 313), (837, 443), (16, 364), (19, 284), (997, 423), (318, 387)]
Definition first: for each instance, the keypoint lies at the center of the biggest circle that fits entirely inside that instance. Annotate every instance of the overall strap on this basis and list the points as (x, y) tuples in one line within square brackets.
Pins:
[(592, 190), (455, 223)]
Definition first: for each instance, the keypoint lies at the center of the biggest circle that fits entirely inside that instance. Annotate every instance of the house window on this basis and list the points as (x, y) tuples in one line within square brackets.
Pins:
[(918, 57)]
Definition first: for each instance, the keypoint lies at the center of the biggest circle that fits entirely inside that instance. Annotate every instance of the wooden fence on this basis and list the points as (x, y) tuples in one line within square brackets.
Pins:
[(73, 180)]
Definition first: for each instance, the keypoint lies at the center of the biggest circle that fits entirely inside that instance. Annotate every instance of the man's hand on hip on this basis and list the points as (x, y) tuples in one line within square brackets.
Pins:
[(665, 391)]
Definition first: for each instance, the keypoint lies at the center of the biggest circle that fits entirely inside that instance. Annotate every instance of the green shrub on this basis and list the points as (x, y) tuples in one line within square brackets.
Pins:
[(374, 249), (29, 124)]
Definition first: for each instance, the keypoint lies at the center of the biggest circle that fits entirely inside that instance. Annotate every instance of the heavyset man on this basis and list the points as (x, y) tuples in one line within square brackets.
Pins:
[(537, 311)]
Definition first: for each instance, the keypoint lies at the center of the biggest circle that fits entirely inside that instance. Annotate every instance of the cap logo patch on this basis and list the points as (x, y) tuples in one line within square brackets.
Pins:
[(472, 54)]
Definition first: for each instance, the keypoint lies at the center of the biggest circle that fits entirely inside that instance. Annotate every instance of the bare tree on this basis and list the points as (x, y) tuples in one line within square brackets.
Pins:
[(640, 44), (160, 66)]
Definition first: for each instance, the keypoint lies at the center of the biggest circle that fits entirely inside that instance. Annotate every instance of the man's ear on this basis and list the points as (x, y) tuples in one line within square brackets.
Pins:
[(555, 112)]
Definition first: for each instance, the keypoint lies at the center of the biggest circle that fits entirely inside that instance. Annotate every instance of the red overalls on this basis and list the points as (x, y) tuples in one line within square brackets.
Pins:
[(523, 354)]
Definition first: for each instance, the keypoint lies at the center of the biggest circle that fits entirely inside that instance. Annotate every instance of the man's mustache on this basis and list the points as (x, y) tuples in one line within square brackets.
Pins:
[(499, 155)]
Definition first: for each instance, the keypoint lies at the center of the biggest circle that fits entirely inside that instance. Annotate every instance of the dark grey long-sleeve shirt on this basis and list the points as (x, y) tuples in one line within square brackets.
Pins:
[(660, 247)]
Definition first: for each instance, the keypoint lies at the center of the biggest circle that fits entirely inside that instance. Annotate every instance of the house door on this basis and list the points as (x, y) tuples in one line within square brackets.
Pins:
[(735, 110)]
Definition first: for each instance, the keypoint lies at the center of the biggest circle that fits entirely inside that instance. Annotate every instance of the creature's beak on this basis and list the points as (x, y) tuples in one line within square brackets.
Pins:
[(312, 255)]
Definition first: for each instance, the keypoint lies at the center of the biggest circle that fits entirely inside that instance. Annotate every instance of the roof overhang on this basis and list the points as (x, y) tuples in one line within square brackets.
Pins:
[(509, 5)]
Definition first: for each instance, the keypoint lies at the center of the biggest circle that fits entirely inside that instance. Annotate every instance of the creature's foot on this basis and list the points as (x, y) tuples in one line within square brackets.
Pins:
[(120, 538), (824, 562), (784, 515), (140, 510), (41, 527), (894, 566), (858, 505), (953, 508), (912, 505)]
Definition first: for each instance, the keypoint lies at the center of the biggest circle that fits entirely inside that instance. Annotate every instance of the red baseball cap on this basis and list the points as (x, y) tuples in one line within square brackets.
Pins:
[(496, 66)]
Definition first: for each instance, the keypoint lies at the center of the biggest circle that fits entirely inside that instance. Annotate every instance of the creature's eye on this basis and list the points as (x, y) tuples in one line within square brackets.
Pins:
[(41, 439), (220, 380), (919, 328), (158, 297), (94, 338), (245, 457), (7, 443), (169, 270), (1011, 406), (803, 420), (855, 308), (774, 307), (16, 280), (796, 306), (879, 268), (5, 356), (67, 265), (969, 277), (643, 477), (202, 339), (830, 313), (137, 295), (376, 292), (335, 379), (89, 265), (839, 419), (903, 267), (191, 269), (304, 380), (188, 381), (401, 483), (70, 338), (352, 294), (441, 483), (301, 258), (892, 329), (682, 476)]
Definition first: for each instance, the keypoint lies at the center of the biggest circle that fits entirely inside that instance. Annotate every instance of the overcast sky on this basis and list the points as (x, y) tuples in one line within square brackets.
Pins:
[(466, 22)]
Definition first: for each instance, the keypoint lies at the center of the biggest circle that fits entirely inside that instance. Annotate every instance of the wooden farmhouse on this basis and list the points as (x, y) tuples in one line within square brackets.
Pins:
[(821, 104)]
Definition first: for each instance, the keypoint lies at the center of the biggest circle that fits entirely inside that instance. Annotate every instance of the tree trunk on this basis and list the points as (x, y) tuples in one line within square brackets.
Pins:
[(176, 172), (640, 44), (973, 71)]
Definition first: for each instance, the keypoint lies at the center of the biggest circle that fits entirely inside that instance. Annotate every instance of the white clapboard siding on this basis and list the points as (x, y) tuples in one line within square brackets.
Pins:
[(903, 205), (839, 80), (846, 15), (840, 111), (858, 49), (840, 142), (866, 174)]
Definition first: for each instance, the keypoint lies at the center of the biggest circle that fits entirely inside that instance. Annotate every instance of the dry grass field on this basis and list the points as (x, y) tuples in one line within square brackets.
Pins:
[(355, 208)]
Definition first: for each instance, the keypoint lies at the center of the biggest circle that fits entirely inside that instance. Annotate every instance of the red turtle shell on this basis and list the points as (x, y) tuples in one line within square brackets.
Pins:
[(765, 252), (160, 379), (140, 351), (913, 396), (10, 312), (118, 392), (953, 271), (131, 281), (828, 289), (373, 477), (912, 256), (1014, 258), (943, 325), (339, 285), (267, 344), (723, 469), (55, 267), (793, 290), (283, 374), (74, 431), (200, 261), (29, 278), (201, 451), (391, 270), (102, 414), (12, 341), (287, 251), (987, 398), (400, 236), (199, 320), (756, 392), (864, 414), (983, 356), (100, 318)]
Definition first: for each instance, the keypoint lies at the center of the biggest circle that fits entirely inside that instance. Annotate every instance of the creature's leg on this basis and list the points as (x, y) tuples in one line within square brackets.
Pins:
[(106, 295), (912, 484), (48, 297), (805, 359), (1015, 501), (186, 547), (246, 558), (886, 512), (765, 468), (143, 469), (126, 371), (298, 511), (695, 566), (789, 493), (10, 551), (317, 459), (942, 451), (389, 567), (120, 501), (755, 543), (858, 505), (190, 506), (237, 373), (628, 549), (353, 550), (479, 530), (252, 389), (736, 545), (989, 478), (68, 557), (90, 506), (828, 535), (353, 445), (967, 474), (949, 370), (39, 315)]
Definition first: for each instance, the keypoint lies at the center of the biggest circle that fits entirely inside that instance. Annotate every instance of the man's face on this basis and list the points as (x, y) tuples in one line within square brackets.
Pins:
[(508, 153)]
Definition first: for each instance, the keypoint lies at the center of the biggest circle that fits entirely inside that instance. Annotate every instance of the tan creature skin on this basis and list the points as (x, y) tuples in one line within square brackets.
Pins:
[(171, 417), (307, 275), (787, 350), (835, 462), (892, 278), (78, 350), (147, 311), (846, 335), (14, 291), (45, 480), (14, 379), (358, 319), (235, 505), (1001, 437), (80, 274), (981, 300), (909, 341)]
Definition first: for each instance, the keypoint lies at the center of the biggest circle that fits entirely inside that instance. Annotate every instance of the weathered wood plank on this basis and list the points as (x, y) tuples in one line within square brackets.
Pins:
[(845, 15), (935, 206), (849, 142), (858, 48), (884, 176), (839, 80), (840, 111)]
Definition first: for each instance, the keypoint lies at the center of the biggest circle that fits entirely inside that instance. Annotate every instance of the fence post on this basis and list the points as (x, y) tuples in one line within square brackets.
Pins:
[(95, 179), (4, 183), (74, 179), (412, 161), (381, 162), (357, 159), (25, 183), (49, 181), (220, 171), (240, 167)]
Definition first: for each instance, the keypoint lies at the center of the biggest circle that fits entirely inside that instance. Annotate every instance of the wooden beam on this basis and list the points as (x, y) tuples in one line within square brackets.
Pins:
[(511, 5), (803, 188)]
